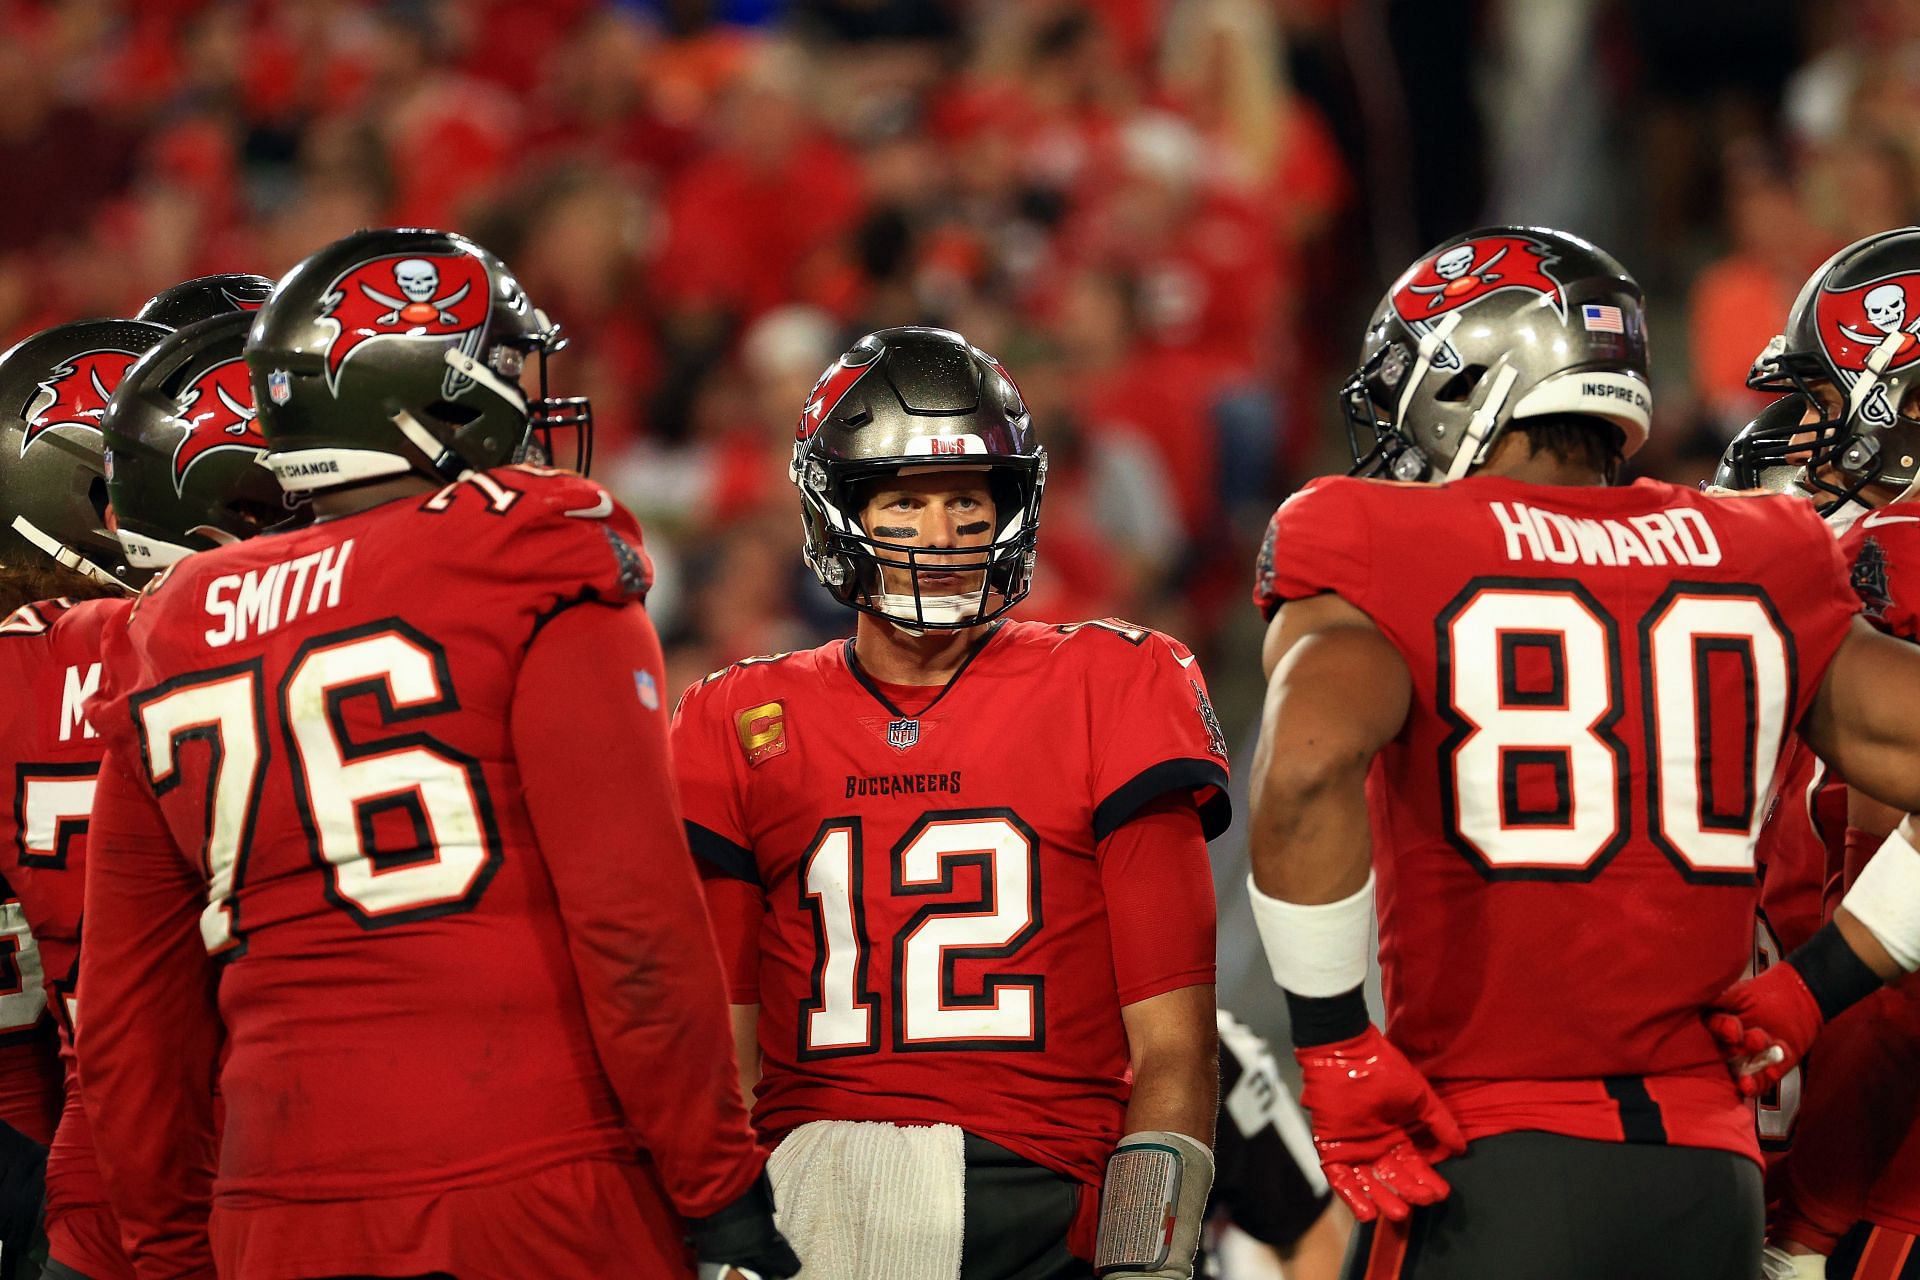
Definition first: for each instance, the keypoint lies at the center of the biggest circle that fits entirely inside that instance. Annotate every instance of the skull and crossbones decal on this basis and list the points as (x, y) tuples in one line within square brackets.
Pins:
[(1886, 308), (1458, 272), (419, 283)]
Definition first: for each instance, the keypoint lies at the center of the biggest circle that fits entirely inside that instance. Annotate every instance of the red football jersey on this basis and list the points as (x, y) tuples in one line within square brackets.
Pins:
[(322, 716), (50, 754), (1564, 829), (934, 944)]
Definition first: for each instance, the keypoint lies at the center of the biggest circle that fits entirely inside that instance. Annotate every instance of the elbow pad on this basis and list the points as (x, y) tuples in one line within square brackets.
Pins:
[(1152, 1206)]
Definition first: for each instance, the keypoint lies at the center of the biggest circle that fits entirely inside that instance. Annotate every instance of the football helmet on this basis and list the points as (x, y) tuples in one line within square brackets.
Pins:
[(186, 465), (1743, 469), (205, 297), (400, 350), (54, 389), (1488, 328), (1849, 365), (903, 401)]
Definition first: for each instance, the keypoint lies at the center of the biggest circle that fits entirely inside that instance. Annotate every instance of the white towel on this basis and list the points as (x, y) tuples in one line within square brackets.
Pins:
[(860, 1200)]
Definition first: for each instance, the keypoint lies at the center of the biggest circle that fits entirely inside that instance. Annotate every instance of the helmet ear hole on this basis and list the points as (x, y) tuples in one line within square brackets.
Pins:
[(1460, 386)]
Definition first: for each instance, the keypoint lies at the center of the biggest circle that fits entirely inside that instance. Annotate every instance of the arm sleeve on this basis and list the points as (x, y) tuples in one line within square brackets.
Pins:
[(707, 765), (593, 760), (1158, 887), (150, 1042), (736, 908), (1154, 731), (1316, 543)]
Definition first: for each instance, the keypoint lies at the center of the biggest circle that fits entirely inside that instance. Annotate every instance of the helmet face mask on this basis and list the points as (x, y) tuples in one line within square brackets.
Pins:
[(1488, 328), (401, 351), (908, 402), (186, 464), (1849, 358)]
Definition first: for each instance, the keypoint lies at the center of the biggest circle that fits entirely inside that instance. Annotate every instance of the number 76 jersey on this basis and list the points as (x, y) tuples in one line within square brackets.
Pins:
[(920, 903), (1564, 829)]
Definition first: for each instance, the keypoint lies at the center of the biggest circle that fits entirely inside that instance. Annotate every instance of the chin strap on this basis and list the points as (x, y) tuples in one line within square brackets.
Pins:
[(66, 555)]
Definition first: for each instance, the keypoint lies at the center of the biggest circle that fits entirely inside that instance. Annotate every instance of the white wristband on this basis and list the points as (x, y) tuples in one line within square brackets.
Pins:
[(1315, 951), (1886, 899)]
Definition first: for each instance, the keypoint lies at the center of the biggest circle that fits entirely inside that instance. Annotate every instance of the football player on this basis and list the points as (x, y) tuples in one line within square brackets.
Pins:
[(60, 567), (1844, 433), (1570, 699), (958, 864), (183, 473), (397, 780)]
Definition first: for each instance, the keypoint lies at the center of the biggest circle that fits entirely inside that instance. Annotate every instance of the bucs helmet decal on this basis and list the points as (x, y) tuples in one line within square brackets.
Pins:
[(1469, 271), (838, 379), (435, 296), (75, 394), (1854, 322), (218, 413)]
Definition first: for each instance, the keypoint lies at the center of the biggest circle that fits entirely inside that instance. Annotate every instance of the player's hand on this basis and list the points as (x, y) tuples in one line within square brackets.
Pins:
[(1377, 1124), (740, 1242), (1764, 1026)]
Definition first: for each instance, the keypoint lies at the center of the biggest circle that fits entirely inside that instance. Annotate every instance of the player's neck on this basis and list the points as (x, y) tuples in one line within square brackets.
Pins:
[(892, 656), (330, 504), (1515, 458)]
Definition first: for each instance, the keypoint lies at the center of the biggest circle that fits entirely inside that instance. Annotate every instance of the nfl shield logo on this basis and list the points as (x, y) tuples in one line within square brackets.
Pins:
[(280, 386), (902, 734)]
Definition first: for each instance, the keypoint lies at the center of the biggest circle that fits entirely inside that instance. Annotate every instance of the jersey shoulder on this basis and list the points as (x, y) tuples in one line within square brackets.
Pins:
[(1096, 640), (754, 680), (1319, 539), (537, 523), (1882, 551)]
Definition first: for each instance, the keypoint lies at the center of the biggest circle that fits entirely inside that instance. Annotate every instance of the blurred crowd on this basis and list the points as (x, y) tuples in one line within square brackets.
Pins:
[(1168, 217)]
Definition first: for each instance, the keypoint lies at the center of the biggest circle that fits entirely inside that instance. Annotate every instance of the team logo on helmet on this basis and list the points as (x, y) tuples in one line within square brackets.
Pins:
[(1854, 322), (432, 296), (828, 391), (1474, 269), (75, 394), (218, 413)]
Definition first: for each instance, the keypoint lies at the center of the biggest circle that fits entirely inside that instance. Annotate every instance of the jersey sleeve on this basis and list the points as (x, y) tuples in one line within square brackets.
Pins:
[(1883, 568), (708, 763), (152, 1033), (1316, 543), (1819, 604), (592, 749), (1158, 887), (1154, 728)]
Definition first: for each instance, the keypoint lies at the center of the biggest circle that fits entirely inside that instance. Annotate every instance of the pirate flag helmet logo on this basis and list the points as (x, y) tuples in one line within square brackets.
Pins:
[(433, 296), (74, 393), (187, 463), (1471, 269)]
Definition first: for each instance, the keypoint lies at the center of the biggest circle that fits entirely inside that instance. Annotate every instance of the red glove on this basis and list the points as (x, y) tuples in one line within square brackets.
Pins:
[(1377, 1124), (1764, 1026)]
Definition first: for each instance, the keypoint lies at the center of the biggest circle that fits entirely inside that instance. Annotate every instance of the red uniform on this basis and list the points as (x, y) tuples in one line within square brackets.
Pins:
[(1564, 830), (932, 898), (51, 754), (1859, 1156), (330, 781)]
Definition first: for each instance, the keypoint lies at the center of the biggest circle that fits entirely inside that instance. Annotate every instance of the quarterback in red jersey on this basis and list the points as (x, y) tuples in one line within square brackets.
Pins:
[(1566, 703), (397, 780), (1852, 1183), (958, 864), (61, 574)]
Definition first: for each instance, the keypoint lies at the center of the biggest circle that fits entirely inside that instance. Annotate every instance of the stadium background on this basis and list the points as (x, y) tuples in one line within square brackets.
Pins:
[(1169, 218)]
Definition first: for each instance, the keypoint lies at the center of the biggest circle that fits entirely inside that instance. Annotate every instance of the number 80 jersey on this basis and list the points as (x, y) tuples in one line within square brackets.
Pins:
[(1564, 829), (918, 896)]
